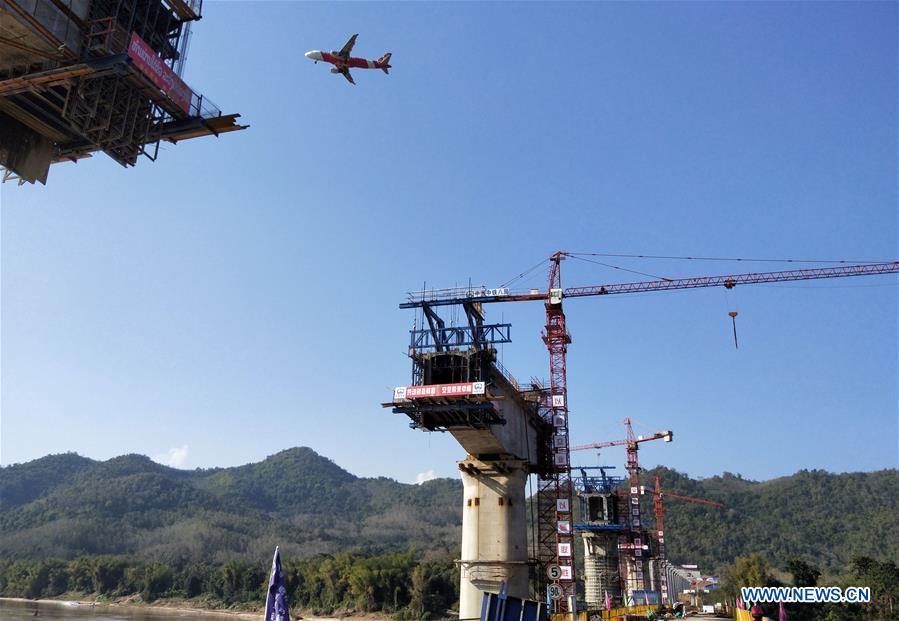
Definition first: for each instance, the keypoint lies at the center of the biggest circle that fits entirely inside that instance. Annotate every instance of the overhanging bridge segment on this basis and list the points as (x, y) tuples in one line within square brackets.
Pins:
[(469, 395)]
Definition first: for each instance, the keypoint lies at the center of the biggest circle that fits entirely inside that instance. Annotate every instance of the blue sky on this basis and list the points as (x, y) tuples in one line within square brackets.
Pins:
[(239, 296)]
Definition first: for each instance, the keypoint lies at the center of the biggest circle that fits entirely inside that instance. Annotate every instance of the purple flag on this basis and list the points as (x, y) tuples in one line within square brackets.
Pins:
[(781, 612), (276, 600)]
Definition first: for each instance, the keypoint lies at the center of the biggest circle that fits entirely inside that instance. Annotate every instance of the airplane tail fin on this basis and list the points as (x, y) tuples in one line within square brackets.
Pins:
[(384, 62)]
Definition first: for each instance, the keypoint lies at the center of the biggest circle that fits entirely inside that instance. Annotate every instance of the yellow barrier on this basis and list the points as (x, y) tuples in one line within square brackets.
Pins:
[(743, 615), (614, 613), (604, 615)]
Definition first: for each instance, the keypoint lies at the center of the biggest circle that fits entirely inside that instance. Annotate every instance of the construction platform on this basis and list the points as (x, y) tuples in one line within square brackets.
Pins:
[(468, 394), (81, 76)]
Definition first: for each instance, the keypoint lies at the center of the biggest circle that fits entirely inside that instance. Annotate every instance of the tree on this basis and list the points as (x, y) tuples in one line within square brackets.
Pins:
[(80, 572), (57, 578), (883, 580), (434, 589), (748, 571), (158, 580), (804, 575), (107, 573)]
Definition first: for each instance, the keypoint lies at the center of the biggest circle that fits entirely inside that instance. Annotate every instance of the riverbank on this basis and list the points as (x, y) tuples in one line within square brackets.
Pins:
[(167, 606)]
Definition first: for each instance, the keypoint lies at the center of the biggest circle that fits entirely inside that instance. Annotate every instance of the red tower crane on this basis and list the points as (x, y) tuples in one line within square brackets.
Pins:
[(659, 506), (633, 519), (555, 483)]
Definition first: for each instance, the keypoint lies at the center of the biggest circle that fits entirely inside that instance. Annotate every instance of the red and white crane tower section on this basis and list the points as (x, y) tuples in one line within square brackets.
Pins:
[(557, 487)]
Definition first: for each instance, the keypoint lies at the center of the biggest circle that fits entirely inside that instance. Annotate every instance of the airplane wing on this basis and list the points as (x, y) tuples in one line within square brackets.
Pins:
[(346, 74), (348, 47)]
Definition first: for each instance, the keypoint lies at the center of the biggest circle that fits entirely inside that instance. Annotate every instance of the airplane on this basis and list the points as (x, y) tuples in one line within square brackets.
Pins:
[(342, 60)]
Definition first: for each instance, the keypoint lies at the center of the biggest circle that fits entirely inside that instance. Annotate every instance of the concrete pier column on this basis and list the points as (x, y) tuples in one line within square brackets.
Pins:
[(629, 579), (494, 532), (593, 593), (600, 569)]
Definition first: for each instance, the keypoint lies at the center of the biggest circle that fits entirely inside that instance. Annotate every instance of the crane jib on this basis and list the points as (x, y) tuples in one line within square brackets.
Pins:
[(729, 281), (733, 280)]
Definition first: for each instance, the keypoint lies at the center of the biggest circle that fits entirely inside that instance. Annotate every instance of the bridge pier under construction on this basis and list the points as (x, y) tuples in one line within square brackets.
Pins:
[(467, 394)]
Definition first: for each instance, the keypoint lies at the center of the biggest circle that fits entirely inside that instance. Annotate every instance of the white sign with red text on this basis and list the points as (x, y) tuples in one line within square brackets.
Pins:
[(432, 391)]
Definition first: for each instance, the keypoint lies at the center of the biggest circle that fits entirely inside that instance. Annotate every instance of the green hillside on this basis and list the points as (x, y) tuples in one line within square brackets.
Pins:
[(66, 506), (817, 516)]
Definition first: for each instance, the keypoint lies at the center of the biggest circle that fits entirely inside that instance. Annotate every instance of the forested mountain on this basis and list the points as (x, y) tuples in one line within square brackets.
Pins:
[(66, 506), (814, 515)]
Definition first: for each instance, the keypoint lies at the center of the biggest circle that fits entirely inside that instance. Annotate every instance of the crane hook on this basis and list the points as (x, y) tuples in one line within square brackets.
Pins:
[(733, 318)]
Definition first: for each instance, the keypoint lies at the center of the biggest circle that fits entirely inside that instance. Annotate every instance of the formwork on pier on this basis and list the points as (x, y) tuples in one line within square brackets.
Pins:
[(491, 422), (80, 76)]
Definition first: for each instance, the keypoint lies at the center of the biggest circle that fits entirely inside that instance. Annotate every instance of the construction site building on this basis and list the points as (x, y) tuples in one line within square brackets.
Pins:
[(80, 76)]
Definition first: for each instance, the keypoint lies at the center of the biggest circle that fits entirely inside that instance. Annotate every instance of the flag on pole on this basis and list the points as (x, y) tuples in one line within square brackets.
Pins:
[(608, 601), (740, 603), (276, 600), (646, 597), (781, 612)]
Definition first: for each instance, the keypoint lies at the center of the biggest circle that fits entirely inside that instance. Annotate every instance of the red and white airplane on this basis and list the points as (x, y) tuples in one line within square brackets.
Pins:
[(342, 60)]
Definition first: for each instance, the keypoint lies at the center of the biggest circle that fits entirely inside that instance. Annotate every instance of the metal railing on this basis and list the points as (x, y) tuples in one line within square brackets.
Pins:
[(202, 107), (505, 372), (105, 37), (428, 295), (191, 9), (461, 294)]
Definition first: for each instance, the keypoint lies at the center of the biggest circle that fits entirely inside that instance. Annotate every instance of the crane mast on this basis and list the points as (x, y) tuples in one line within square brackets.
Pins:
[(555, 504), (634, 523)]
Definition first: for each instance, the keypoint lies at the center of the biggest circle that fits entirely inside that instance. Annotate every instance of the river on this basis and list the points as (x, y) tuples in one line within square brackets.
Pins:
[(17, 610)]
